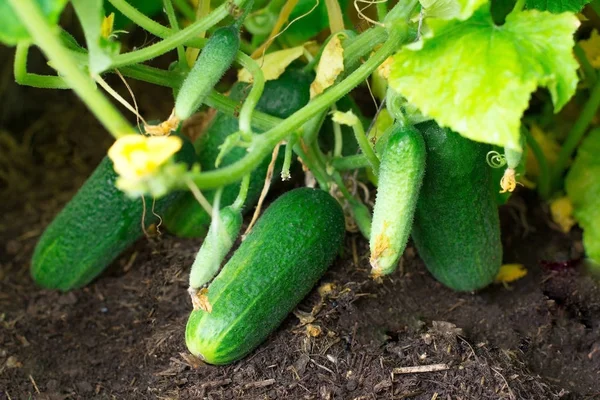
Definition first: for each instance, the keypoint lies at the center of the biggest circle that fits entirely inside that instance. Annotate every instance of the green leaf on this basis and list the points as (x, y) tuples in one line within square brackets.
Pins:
[(101, 50), (557, 6), (476, 77), (583, 188), (450, 9), (11, 29)]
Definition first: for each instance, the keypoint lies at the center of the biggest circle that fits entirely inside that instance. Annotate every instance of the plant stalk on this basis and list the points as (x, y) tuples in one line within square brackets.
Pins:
[(48, 41)]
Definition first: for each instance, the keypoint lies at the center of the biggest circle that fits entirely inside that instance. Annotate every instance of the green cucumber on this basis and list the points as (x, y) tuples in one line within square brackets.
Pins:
[(216, 245), (400, 178), (214, 60), (285, 254), (281, 98), (457, 229), (92, 230)]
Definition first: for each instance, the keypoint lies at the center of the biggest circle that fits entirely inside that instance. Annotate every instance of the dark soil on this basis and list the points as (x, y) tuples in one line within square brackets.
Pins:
[(123, 336)]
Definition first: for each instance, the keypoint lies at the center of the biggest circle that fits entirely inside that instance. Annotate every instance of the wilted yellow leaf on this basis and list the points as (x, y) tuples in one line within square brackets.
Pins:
[(591, 47), (137, 156), (510, 273), (561, 210), (273, 64), (345, 118), (330, 66)]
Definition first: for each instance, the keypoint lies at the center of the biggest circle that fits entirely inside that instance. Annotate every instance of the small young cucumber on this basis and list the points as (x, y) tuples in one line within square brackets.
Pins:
[(92, 230), (281, 98), (457, 228), (219, 240), (400, 178), (285, 254), (214, 60)]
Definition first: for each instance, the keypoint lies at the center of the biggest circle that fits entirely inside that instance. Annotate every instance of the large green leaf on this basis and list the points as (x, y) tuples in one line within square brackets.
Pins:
[(12, 30), (450, 9), (557, 6), (583, 188), (476, 77)]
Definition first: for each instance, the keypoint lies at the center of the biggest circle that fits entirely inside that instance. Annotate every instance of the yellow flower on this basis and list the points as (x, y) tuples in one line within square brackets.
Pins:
[(106, 28), (136, 157)]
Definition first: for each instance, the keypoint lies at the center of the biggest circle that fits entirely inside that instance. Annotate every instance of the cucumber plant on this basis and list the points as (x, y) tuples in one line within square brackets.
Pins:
[(427, 157)]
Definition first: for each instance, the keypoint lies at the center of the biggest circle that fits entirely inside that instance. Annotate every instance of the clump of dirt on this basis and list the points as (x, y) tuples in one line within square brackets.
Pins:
[(407, 338)]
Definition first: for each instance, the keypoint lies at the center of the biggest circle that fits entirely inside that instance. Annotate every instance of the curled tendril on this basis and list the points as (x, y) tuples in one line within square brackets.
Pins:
[(495, 159), (508, 182)]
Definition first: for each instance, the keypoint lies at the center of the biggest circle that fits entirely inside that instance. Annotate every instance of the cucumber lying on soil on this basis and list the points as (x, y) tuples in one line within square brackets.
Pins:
[(457, 228), (289, 249), (281, 98), (92, 230)]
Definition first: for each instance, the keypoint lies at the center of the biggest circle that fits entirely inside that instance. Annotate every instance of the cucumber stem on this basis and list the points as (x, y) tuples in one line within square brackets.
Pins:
[(258, 85), (262, 144), (47, 40), (140, 19), (365, 146), (544, 177), (241, 197), (576, 134), (382, 9), (176, 39), (287, 159), (338, 141), (350, 162), (588, 70), (519, 6), (22, 77), (185, 9), (170, 11)]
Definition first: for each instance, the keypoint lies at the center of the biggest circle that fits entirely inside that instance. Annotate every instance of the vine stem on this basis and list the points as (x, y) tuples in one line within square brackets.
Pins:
[(588, 70), (175, 39), (544, 177), (172, 17), (365, 146), (22, 77), (47, 40), (262, 144), (350, 162), (576, 134), (258, 85)]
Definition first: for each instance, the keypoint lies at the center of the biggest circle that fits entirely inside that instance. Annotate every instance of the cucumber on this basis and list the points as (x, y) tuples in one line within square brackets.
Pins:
[(400, 178), (216, 245), (281, 98), (457, 229), (214, 60), (97, 224), (289, 249)]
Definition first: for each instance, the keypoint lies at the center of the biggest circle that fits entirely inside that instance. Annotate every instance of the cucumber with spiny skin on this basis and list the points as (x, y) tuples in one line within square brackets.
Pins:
[(215, 59), (219, 240), (457, 228), (95, 226), (400, 178), (281, 98), (288, 250)]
